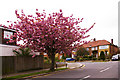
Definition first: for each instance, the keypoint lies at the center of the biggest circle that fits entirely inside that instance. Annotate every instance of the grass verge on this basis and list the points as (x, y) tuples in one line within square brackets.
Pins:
[(31, 74), (99, 61)]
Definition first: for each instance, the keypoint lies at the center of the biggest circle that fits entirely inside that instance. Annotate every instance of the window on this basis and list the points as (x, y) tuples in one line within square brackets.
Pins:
[(45, 53), (87, 49), (93, 48), (60, 56), (104, 47), (7, 34), (6, 37)]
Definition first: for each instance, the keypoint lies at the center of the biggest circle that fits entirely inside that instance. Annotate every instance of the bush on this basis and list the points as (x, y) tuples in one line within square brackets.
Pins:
[(61, 60), (86, 56), (63, 56), (22, 51), (94, 58), (45, 58), (99, 58), (47, 61), (56, 59), (81, 59), (90, 57), (77, 58), (102, 55)]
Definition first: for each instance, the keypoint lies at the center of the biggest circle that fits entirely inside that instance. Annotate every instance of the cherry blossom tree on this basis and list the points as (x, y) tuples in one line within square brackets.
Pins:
[(51, 34)]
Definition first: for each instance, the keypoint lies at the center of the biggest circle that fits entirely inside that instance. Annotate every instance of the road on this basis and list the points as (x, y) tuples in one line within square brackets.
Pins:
[(91, 71)]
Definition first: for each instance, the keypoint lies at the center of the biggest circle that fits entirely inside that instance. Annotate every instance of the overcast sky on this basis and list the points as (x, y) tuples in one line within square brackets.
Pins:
[(102, 12)]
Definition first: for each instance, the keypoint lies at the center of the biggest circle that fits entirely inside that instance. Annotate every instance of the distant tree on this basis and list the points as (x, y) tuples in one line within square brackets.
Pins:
[(82, 52), (50, 34), (63, 56), (102, 55)]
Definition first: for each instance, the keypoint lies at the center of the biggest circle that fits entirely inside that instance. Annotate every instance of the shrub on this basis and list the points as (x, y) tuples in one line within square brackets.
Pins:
[(90, 57), (94, 58), (45, 58), (86, 56), (77, 58), (56, 59), (22, 51), (63, 56), (81, 59), (67, 56), (102, 55), (99, 58), (61, 60)]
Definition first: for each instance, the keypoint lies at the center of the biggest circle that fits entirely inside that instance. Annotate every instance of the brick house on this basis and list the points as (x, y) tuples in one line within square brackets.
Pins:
[(96, 46)]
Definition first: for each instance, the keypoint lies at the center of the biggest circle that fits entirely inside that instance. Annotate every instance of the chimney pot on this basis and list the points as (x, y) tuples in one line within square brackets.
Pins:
[(94, 39), (111, 41)]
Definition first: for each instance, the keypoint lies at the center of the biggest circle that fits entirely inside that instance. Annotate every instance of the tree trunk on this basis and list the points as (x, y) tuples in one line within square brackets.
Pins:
[(53, 62)]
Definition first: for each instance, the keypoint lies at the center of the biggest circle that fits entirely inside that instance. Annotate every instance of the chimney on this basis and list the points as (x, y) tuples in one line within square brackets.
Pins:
[(111, 41), (94, 39)]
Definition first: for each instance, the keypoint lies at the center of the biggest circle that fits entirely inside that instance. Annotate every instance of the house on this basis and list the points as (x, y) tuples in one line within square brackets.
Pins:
[(96, 46), (5, 34), (6, 49)]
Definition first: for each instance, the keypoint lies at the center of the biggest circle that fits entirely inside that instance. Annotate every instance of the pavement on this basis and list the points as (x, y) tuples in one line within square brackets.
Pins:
[(69, 66), (74, 65)]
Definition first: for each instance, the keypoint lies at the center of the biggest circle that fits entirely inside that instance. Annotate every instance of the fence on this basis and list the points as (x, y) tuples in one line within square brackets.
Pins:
[(14, 64)]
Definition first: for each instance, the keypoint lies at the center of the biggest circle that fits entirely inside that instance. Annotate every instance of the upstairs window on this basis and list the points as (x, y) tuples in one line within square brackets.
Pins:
[(93, 48), (104, 47), (7, 34), (6, 37)]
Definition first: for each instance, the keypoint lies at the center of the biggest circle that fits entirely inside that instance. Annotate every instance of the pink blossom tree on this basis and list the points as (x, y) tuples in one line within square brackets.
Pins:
[(53, 33)]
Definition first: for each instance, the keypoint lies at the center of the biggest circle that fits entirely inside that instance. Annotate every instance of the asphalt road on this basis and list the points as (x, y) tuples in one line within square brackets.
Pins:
[(91, 71)]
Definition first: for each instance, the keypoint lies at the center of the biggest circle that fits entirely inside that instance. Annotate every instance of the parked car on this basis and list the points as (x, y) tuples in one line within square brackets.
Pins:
[(116, 57), (70, 59)]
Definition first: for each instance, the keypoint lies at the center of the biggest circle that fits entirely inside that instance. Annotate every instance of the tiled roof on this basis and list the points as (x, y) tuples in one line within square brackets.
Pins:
[(96, 43)]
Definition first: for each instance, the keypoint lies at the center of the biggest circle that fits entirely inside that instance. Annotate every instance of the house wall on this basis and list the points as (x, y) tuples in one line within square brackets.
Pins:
[(7, 50), (99, 50), (114, 49), (0, 36), (111, 50), (108, 50)]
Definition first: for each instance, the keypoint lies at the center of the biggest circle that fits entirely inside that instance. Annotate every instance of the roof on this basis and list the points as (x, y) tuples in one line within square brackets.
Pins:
[(1, 27), (96, 43)]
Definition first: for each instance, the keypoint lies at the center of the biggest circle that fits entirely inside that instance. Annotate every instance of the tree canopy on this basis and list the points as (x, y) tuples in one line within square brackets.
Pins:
[(53, 33), (82, 52)]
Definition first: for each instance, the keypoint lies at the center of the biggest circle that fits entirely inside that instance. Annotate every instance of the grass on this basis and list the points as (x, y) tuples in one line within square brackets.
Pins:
[(99, 61), (31, 74)]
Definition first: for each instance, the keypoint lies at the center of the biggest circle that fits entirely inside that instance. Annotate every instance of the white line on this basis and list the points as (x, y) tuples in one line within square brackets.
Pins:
[(105, 69), (85, 77)]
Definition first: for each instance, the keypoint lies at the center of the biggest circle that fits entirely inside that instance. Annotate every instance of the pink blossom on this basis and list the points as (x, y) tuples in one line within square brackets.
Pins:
[(47, 33), (33, 55)]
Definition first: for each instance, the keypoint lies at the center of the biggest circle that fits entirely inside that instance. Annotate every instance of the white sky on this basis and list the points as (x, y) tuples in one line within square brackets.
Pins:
[(103, 12)]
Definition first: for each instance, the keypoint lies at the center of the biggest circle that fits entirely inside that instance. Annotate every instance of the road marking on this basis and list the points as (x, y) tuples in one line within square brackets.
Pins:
[(85, 77), (105, 69), (83, 66)]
